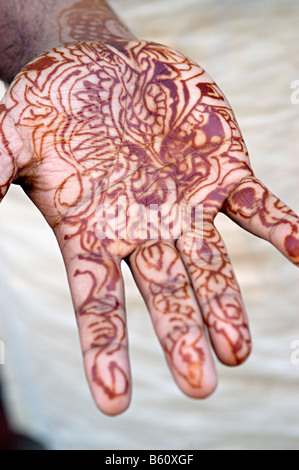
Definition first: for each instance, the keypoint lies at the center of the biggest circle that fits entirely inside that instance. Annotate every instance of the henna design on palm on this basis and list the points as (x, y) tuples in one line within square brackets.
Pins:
[(92, 123)]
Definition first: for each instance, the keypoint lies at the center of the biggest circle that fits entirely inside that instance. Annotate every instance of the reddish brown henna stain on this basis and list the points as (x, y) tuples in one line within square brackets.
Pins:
[(137, 121), (125, 124), (246, 197), (292, 247), (40, 64)]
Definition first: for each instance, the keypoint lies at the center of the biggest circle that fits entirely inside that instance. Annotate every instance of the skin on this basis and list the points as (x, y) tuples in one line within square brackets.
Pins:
[(104, 120)]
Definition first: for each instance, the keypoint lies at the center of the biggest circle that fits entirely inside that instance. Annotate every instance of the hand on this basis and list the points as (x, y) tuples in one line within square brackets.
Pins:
[(113, 143)]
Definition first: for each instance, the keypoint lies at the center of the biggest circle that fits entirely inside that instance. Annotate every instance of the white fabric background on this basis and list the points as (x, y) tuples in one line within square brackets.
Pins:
[(251, 49)]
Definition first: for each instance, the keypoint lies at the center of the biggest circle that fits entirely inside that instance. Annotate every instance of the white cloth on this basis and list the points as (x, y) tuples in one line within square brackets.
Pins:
[(251, 51)]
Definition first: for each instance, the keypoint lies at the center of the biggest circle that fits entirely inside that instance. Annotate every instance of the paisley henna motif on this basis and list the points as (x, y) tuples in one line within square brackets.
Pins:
[(137, 122)]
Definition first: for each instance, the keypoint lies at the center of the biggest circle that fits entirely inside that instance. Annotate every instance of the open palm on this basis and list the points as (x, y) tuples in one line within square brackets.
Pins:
[(130, 150)]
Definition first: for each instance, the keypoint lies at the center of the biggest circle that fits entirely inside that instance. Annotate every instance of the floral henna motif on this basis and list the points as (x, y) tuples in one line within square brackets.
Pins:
[(136, 122)]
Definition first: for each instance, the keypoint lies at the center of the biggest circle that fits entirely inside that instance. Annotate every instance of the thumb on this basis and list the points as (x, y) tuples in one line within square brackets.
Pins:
[(7, 160)]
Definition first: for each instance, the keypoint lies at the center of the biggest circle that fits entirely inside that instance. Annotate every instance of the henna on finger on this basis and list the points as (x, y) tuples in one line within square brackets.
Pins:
[(218, 293), (141, 122), (165, 285), (260, 212), (120, 137)]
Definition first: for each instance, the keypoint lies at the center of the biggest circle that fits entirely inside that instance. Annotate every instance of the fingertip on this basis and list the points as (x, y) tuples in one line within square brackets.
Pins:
[(109, 382), (111, 402), (291, 245), (112, 407), (196, 378), (204, 389), (231, 354)]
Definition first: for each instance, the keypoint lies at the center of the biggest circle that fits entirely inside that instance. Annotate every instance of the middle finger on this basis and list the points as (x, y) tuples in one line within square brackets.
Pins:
[(165, 286)]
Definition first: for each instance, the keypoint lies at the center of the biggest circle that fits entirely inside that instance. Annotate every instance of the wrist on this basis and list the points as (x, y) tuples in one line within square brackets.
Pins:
[(45, 25), (90, 20)]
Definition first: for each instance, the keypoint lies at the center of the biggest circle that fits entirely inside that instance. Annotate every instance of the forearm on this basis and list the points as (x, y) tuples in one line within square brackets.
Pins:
[(30, 27)]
